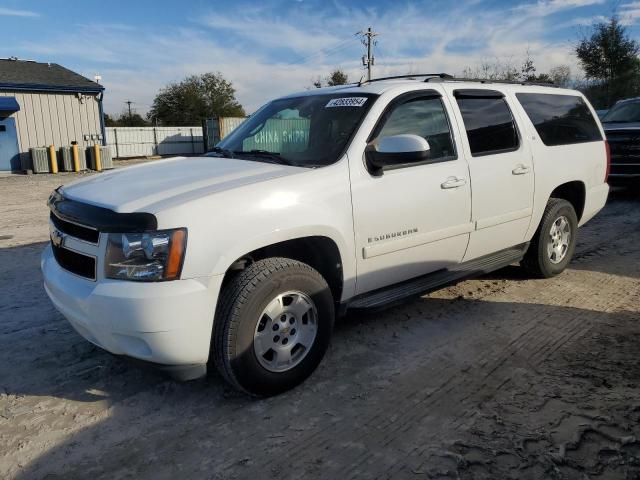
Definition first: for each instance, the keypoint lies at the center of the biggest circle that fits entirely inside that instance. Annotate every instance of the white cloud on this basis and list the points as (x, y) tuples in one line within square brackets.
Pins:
[(247, 46), (10, 12), (264, 32), (630, 13), (549, 7)]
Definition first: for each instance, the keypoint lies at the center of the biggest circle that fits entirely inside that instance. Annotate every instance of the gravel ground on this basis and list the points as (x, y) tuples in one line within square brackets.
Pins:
[(499, 377)]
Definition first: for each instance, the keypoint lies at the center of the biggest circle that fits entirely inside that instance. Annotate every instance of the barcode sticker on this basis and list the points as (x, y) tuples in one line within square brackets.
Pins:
[(346, 102)]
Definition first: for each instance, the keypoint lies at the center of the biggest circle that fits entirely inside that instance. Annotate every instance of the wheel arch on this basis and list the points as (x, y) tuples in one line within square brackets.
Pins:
[(573, 192), (318, 251)]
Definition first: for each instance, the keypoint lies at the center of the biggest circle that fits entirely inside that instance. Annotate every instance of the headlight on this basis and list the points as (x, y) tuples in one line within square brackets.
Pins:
[(147, 257)]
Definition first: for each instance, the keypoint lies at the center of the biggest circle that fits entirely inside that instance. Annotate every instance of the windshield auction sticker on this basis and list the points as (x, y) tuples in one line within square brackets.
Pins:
[(346, 102)]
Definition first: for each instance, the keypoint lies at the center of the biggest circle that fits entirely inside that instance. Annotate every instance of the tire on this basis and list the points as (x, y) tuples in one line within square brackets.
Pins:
[(242, 328), (538, 261)]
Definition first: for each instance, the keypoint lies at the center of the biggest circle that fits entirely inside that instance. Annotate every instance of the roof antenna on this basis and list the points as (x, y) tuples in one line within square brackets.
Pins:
[(360, 81)]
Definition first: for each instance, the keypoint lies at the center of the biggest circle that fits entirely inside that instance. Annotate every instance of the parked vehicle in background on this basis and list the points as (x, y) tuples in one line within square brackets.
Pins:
[(345, 197), (602, 113), (622, 127)]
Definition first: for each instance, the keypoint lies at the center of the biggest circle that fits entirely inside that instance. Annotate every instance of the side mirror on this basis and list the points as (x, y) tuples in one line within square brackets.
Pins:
[(395, 151)]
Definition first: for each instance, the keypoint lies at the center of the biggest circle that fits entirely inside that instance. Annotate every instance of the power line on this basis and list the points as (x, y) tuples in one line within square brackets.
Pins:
[(326, 51), (336, 47)]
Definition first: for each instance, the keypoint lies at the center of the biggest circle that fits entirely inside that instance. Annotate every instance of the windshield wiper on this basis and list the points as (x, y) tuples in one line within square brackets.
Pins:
[(273, 156), (223, 151)]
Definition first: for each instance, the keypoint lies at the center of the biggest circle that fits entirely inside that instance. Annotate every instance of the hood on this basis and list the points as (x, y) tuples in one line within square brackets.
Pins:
[(611, 126), (151, 186)]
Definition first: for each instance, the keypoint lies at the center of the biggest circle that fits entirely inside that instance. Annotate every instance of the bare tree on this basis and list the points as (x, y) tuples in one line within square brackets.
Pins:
[(561, 75), (493, 69)]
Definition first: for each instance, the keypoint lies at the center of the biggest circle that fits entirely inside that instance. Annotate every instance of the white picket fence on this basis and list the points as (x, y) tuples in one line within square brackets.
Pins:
[(146, 141)]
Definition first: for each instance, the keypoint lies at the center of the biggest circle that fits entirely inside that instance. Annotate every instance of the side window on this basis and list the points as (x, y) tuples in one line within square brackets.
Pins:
[(488, 121), (560, 119), (425, 117)]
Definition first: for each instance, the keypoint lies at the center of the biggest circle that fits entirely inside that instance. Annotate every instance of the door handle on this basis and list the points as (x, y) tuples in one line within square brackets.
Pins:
[(520, 170), (453, 182)]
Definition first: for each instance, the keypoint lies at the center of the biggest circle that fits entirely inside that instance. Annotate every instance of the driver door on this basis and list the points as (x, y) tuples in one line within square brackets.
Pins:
[(414, 219)]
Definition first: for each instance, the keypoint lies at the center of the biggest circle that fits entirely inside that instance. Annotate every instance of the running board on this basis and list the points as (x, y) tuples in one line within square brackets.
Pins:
[(435, 280)]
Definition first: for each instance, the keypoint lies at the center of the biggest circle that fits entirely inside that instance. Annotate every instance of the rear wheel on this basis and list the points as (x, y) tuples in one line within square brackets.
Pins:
[(554, 242), (272, 326)]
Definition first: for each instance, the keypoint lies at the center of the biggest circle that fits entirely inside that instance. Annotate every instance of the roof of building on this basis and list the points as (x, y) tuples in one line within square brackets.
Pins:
[(35, 76)]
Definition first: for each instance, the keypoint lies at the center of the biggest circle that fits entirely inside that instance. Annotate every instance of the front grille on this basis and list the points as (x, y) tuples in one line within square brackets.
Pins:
[(625, 146), (621, 169), (74, 230), (75, 262)]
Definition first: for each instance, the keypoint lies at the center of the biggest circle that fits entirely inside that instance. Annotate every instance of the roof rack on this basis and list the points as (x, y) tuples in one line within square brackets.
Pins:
[(397, 77), (487, 80), (445, 77)]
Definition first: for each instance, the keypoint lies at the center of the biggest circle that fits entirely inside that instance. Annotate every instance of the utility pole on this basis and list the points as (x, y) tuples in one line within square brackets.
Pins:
[(129, 103), (368, 60)]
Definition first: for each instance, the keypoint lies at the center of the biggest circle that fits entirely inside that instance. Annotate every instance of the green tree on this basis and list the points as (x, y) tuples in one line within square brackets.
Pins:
[(335, 78), (109, 121), (195, 98), (125, 120), (133, 120), (609, 58)]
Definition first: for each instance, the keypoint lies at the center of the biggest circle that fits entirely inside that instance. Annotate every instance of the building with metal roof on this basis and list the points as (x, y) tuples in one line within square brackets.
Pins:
[(43, 104)]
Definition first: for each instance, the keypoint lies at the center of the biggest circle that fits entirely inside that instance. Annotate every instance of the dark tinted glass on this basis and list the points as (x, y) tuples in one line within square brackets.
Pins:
[(426, 118), (560, 119), (489, 125), (627, 112)]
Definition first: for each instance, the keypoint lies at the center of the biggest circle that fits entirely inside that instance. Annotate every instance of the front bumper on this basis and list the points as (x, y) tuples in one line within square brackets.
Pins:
[(167, 323)]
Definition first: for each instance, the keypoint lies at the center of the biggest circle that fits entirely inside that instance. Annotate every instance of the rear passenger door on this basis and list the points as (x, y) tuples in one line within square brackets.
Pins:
[(501, 166)]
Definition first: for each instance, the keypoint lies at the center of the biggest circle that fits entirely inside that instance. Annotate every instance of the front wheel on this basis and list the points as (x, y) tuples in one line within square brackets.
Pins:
[(554, 242), (272, 326)]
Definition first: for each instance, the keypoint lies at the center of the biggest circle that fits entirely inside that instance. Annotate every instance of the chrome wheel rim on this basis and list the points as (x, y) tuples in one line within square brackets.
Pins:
[(286, 331), (559, 240)]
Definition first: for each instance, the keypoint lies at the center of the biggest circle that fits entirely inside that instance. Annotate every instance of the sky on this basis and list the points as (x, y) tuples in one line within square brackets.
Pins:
[(269, 48)]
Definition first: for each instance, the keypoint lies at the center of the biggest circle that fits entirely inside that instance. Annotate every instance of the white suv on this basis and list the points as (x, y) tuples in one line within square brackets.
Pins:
[(336, 198)]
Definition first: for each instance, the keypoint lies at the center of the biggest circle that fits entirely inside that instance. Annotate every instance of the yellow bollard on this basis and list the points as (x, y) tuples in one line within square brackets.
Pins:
[(76, 158), (96, 153), (53, 159)]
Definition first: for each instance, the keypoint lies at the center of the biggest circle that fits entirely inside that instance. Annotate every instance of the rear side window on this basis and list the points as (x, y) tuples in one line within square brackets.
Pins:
[(560, 119), (488, 121)]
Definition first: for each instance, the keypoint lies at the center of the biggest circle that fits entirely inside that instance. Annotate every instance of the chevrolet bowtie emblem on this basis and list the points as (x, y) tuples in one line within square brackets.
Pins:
[(57, 238)]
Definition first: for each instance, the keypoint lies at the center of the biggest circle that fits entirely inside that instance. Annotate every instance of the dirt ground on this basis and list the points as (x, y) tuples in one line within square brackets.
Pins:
[(499, 377)]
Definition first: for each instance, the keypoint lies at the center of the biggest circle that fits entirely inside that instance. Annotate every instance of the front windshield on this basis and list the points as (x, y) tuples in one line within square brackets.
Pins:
[(624, 113), (308, 131)]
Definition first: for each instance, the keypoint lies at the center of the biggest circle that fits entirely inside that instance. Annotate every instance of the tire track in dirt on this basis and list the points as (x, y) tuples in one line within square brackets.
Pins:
[(535, 348), (385, 415)]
